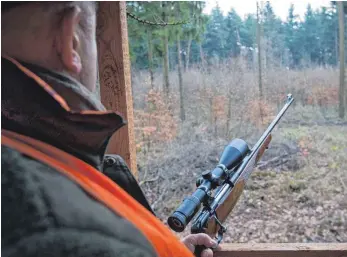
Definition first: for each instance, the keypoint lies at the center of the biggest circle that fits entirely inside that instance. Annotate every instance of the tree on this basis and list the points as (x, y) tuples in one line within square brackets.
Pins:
[(309, 36), (292, 38), (248, 35), (150, 56), (248, 31), (137, 36), (328, 35), (192, 31), (214, 40), (165, 38), (274, 37), (342, 61), (259, 24), (233, 27), (180, 14), (143, 38)]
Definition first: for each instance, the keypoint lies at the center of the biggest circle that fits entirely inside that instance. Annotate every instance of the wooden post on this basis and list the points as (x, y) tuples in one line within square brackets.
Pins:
[(284, 250), (114, 74)]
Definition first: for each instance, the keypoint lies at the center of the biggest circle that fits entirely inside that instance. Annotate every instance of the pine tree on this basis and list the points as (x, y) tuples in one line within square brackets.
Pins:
[(292, 38), (274, 36), (327, 33), (233, 27), (248, 31), (309, 36), (214, 40)]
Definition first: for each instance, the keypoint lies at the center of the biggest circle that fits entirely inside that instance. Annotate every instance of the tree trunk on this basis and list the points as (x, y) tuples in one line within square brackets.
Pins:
[(342, 61), (166, 53), (337, 45), (229, 114), (188, 51), (179, 69), (259, 63), (150, 57), (202, 59), (259, 52), (166, 64)]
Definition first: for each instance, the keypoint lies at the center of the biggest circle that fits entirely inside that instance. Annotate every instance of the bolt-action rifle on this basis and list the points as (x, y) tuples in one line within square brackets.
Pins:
[(218, 190)]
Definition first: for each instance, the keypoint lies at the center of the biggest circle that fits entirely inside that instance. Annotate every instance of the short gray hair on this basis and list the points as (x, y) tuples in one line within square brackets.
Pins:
[(17, 19)]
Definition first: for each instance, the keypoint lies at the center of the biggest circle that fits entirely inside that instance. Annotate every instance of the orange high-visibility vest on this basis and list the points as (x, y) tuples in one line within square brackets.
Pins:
[(102, 189)]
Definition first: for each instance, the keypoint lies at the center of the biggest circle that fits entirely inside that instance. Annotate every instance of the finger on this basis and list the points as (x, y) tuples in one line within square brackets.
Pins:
[(203, 239), (207, 253)]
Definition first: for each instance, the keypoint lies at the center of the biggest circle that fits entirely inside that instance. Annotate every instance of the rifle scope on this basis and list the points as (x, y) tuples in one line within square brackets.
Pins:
[(232, 155)]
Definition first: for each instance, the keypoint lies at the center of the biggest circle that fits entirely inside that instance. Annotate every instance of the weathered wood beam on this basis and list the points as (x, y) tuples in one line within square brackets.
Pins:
[(114, 75), (284, 250)]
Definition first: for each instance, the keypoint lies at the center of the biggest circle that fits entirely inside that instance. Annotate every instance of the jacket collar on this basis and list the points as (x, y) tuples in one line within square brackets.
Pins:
[(54, 108)]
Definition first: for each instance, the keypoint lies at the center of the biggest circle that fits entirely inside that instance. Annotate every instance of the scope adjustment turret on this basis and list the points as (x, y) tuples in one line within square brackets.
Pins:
[(207, 174)]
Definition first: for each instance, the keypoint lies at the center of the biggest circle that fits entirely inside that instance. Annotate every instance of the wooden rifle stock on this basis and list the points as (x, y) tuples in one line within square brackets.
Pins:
[(263, 148)]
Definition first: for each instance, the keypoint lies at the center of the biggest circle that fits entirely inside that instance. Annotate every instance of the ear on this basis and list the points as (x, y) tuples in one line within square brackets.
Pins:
[(68, 41)]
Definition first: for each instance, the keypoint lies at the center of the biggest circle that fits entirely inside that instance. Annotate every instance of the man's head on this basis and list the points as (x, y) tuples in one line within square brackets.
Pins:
[(59, 36)]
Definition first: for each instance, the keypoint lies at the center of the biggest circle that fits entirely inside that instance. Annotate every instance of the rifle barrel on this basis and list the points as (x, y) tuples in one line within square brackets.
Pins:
[(262, 139), (290, 100)]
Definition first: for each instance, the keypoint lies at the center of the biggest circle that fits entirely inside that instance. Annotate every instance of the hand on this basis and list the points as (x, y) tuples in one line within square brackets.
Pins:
[(200, 239)]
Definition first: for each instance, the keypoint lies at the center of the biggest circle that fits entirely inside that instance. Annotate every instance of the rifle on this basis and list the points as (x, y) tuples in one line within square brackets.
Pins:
[(219, 190)]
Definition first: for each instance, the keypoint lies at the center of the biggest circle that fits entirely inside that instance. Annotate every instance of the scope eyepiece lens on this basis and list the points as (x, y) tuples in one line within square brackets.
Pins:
[(177, 222)]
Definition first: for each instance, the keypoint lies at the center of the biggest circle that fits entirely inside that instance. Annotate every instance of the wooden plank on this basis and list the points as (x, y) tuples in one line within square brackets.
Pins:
[(114, 74), (283, 250)]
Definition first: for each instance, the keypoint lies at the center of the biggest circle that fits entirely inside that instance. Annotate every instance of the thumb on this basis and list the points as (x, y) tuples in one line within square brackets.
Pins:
[(201, 239), (206, 240)]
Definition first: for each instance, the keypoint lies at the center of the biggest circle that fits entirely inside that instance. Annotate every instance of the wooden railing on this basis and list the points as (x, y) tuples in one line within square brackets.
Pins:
[(284, 250)]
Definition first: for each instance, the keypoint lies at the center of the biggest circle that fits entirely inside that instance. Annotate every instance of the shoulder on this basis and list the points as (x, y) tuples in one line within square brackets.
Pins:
[(37, 199)]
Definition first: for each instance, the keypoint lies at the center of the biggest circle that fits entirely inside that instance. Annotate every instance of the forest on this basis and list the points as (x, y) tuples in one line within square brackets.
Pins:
[(293, 43), (200, 80)]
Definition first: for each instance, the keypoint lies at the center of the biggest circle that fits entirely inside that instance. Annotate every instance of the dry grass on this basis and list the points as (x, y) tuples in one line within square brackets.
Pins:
[(300, 200), (308, 205)]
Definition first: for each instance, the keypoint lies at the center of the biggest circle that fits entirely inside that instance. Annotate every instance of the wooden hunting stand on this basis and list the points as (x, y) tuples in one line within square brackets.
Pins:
[(115, 91)]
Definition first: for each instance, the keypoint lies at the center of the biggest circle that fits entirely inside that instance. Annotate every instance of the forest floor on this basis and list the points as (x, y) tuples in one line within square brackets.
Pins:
[(302, 198)]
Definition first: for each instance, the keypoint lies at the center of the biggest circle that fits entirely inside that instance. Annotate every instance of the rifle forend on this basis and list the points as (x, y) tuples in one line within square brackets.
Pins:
[(218, 190)]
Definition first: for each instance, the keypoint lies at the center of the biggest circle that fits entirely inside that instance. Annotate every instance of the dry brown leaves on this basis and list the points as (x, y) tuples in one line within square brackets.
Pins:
[(156, 123), (259, 113)]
